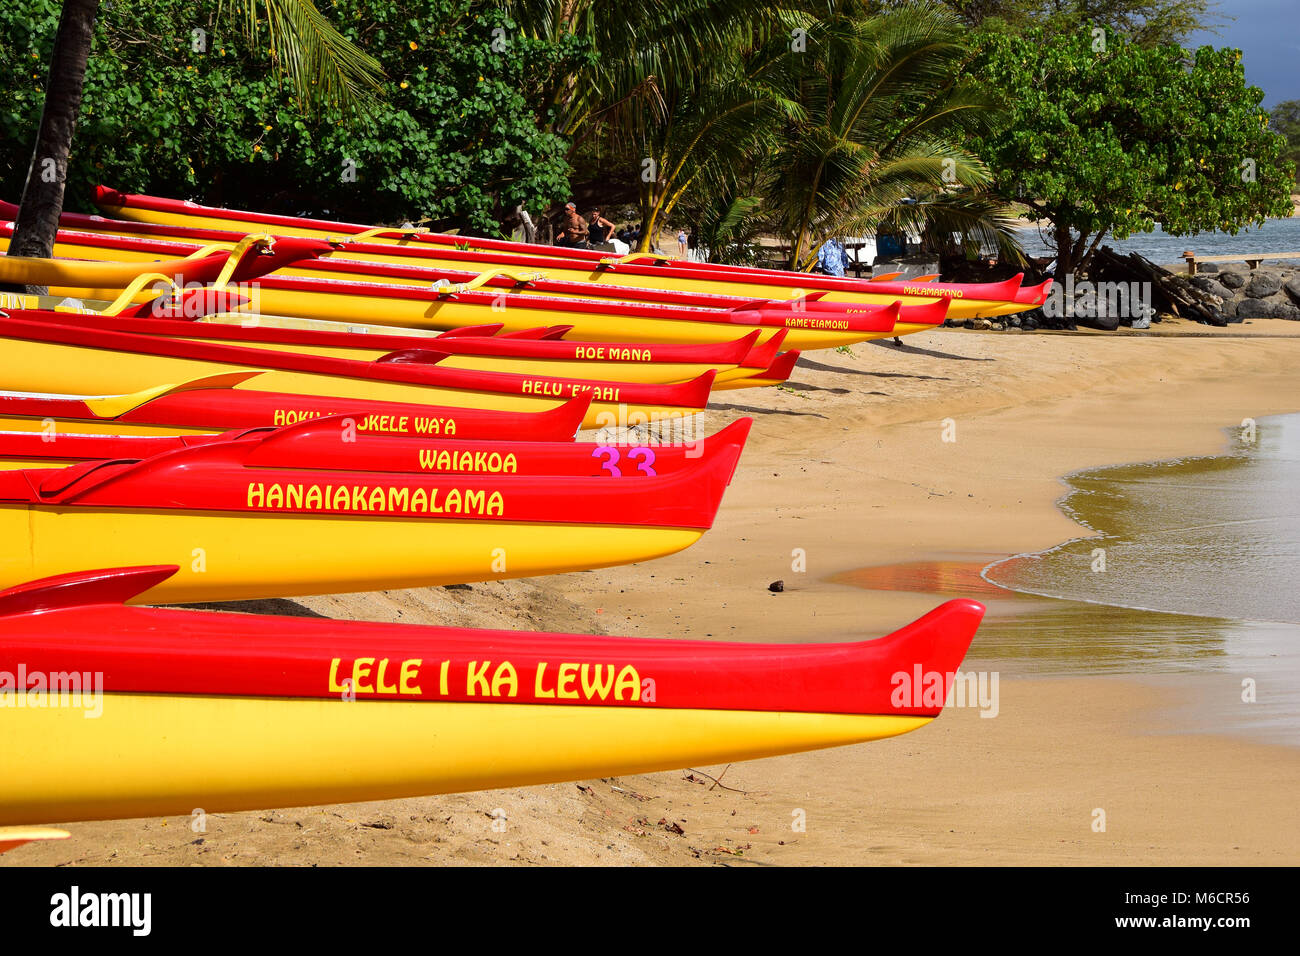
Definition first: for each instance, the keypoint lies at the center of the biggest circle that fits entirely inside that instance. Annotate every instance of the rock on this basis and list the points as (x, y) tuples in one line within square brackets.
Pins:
[(997, 326), (1013, 321), (968, 324), (1207, 267), (1292, 288), (776, 587), (1107, 322), (1277, 308), (1233, 280), (1262, 285), (458, 587), (1206, 284), (1029, 323)]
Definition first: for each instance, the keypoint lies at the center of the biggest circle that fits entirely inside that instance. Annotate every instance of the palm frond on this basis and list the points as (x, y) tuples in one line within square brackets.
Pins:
[(322, 65)]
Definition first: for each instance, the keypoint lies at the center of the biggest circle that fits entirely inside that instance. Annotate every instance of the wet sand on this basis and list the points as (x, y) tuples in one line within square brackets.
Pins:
[(849, 463)]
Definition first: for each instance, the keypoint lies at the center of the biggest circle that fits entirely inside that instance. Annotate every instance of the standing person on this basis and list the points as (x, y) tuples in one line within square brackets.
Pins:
[(573, 229), (600, 230), (832, 257), (681, 244)]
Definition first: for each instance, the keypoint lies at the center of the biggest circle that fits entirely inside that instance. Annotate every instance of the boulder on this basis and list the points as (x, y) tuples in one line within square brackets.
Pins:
[(1233, 280), (1206, 284), (1107, 322), (1292, 287), (1262, 285), (1278, 308), (1207, 267)]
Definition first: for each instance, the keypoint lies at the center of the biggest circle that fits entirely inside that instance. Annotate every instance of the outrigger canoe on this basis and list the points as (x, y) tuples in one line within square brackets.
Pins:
[(969, 300), (39, 353), (361, 300), (244, 260), (646, 363), (93, 237), (213, 403), (236, 712), (251, 518), (320, 442)]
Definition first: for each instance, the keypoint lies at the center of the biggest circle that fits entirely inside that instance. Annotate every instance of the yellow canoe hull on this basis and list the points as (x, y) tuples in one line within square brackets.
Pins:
[(115, 274), (226, 556), (110, 427), (158, 755), (72, 369)]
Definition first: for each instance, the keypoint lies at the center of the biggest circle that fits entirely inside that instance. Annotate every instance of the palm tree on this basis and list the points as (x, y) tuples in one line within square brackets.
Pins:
[(887, 110), (678, 89), (710, 130), (321, 64)]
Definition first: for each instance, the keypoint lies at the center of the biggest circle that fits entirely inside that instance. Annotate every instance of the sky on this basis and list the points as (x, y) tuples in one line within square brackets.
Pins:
[(1268, 34)]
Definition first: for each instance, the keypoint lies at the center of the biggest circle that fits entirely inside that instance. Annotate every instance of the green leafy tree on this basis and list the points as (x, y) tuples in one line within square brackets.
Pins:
[(319, 63), (886, 117), (178, 101), (1147, 22), (1285, 118), (1108, 138)]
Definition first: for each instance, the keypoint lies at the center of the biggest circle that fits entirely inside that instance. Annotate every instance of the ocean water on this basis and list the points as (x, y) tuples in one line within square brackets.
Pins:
[(1276, 235), (1192, 578), (1211, 536)]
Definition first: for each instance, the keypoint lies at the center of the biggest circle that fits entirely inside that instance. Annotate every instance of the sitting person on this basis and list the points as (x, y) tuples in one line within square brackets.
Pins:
[(600, 230), (573, 229)]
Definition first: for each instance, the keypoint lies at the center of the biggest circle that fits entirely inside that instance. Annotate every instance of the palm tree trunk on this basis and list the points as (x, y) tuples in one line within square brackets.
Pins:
[(42, 201)]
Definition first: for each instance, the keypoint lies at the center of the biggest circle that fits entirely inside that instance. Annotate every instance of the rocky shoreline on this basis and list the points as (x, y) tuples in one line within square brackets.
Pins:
[(1130, 291), (1267, 292)]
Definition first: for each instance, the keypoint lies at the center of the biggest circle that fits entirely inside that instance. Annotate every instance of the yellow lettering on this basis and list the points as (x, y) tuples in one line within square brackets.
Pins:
[(629, 678), (538, 690), (476, 678), (256, 494), (505, 675), (335, 686), (408, 673), (597, 687), (361, 668), (568, 674), (380, 687)]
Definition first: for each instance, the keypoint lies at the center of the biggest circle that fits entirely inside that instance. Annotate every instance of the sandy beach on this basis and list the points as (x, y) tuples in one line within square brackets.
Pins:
[(849, 463)]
